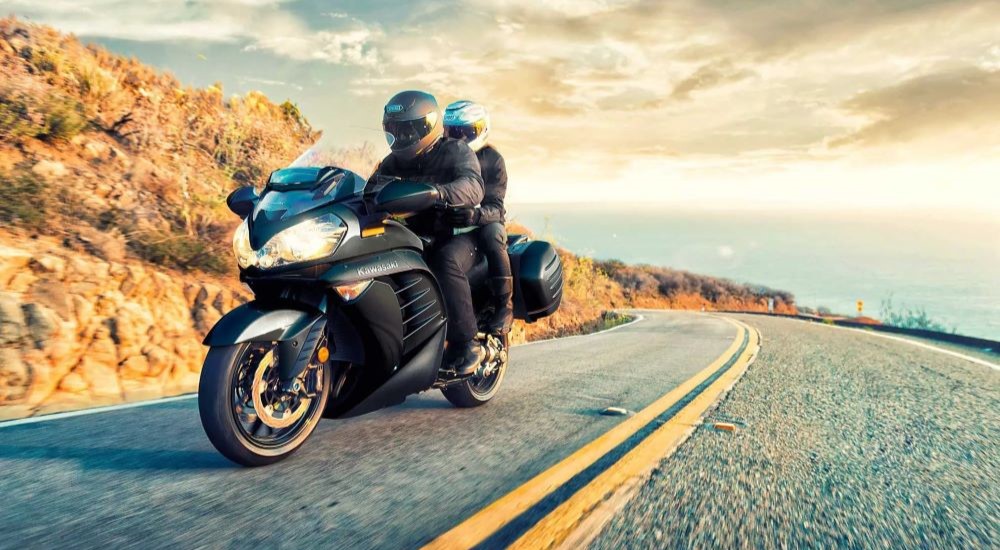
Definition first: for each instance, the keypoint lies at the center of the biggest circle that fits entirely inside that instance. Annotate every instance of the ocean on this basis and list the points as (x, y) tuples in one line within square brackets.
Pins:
[(946, 263)]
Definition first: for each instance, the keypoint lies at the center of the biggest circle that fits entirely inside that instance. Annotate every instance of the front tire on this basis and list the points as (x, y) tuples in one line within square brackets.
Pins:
[(226, 408)]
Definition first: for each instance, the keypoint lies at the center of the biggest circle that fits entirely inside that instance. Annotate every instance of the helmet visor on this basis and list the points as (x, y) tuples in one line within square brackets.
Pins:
[(466, 132), (404, 133)]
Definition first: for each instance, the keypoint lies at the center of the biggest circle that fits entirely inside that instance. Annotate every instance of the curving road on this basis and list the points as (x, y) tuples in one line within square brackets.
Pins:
[(148, 477)]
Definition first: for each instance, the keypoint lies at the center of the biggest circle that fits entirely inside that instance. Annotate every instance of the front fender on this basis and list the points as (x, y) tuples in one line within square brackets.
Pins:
[(255, 321), (296, 327)]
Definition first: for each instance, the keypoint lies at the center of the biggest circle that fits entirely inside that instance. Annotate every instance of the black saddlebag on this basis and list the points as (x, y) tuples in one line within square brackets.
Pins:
[(538, 278)]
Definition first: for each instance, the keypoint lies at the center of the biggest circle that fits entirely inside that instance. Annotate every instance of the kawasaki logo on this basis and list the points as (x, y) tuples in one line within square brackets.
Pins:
[(394, 108), (369, 270)]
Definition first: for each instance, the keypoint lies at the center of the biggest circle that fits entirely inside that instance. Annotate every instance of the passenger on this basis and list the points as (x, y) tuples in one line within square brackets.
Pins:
[(470, 122)]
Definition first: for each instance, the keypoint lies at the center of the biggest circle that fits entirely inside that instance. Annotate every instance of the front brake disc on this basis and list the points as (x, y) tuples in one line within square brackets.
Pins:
[(274, 413)]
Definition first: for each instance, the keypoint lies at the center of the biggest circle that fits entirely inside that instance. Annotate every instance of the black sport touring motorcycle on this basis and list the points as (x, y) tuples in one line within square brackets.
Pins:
[(346, 318)]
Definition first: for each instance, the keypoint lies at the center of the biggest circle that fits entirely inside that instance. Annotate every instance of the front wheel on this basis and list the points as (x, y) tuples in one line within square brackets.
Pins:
[(245, 411)]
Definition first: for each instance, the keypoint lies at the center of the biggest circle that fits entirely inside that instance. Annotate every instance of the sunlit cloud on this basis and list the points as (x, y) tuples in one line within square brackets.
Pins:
[(670, 101), (964, 99), (256, 24)]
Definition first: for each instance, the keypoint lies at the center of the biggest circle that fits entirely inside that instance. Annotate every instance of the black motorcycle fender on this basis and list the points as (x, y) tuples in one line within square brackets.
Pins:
[(296, 327), (256, 321)]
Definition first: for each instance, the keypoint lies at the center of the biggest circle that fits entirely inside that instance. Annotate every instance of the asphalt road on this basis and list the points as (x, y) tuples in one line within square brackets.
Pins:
[(394, 479), (843, 440)]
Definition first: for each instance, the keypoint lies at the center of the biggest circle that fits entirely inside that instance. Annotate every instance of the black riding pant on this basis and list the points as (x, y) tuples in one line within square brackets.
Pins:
[(451, 261), (493, 242)]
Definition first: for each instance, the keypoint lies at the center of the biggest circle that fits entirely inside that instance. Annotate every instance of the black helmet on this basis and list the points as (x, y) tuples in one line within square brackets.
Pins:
[(412, 123)]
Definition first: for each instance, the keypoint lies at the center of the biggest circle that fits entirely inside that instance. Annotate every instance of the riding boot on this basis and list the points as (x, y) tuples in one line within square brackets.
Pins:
[(502, 289), (465, 357)]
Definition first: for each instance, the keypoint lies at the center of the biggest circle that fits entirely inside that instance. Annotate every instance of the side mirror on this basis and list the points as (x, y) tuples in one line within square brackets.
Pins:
[(402, 197), (242, 201)]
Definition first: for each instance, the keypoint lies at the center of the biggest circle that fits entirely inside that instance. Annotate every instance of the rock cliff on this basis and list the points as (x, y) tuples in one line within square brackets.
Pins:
[(78, 331)]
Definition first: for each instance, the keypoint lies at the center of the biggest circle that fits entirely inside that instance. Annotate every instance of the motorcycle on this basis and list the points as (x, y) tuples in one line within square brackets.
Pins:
[(347, 318)]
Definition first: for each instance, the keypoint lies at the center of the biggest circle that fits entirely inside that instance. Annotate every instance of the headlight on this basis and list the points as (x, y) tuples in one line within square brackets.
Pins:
[(245, 256), (308, 240)]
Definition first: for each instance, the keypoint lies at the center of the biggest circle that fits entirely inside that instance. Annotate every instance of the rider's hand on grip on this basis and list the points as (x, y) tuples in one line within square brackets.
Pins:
[(462, 217)]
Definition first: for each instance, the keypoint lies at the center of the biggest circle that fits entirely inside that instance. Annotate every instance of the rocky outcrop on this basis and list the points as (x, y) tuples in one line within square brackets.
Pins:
[(77, 331)]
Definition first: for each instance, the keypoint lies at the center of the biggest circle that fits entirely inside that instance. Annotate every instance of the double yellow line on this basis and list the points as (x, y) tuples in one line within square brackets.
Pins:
[(641, 443)]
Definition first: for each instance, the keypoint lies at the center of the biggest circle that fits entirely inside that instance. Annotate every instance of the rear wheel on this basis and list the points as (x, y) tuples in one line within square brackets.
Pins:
[(479, 388), (245, 411)]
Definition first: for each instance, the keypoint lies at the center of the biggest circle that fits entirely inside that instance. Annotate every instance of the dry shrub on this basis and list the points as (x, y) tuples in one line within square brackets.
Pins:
[(650, 286), (49, 117)]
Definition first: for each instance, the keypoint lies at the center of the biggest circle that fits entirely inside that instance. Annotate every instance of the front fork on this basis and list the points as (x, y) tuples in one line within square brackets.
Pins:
[(296, 353)]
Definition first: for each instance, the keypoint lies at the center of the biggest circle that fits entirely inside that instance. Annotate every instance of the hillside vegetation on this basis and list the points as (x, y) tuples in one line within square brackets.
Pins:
[(116, 156), (115, 252)]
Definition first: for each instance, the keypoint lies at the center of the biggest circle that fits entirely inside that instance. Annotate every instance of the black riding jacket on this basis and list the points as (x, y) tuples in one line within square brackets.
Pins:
[(452, 166), (495, 179)]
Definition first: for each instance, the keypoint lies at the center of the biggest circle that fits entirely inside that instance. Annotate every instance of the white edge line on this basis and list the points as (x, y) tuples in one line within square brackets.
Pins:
[(969, 358), (109, 408), (637, 318), (95, 410)]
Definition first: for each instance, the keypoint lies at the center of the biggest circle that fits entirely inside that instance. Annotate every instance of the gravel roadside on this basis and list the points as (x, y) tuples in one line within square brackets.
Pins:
[(843, 440)]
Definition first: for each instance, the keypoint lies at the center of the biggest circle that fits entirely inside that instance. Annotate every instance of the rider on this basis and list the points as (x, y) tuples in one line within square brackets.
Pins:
[(420, 152), (470, 122)]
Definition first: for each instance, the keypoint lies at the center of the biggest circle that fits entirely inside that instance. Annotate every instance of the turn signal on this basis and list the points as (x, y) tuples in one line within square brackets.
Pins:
[(353, 290), (372, 231), (323, 354)]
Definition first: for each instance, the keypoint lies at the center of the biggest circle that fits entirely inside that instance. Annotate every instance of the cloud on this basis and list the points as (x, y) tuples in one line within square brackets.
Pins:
[(562, 8), (270, 82), (352, 47), (710, 75), (140, 21), (965, 99), (259, 25), (786, 27)]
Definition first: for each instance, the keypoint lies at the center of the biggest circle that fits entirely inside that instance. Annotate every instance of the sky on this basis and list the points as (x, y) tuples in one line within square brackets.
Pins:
[(788, 104)]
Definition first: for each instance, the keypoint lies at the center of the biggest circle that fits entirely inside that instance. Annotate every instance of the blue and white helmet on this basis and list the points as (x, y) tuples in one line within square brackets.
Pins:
[(467, 121)]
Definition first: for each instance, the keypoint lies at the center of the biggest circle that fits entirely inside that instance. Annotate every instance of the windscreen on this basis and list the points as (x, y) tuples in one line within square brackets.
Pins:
[(279, 205), (357, 162)]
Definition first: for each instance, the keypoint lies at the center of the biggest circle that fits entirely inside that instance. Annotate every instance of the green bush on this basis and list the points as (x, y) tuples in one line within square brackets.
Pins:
[(905, 317), (14, 118), (44, 60), (611, 319), (63, 118), (51, 118), (25, 200), (292, 112), (178, 250)]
